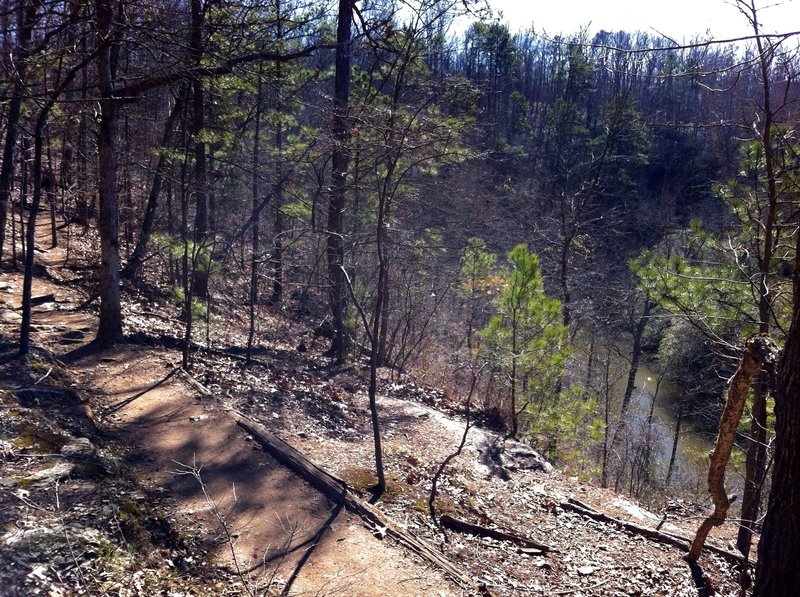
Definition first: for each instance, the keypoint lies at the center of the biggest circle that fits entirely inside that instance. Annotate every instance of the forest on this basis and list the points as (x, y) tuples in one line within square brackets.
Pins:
[(594, 237)]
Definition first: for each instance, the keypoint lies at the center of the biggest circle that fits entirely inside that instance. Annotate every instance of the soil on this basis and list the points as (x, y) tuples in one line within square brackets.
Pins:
[(235, 520)]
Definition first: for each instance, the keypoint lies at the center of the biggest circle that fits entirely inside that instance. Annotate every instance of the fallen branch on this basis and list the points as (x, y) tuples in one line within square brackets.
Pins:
[(331, 486), (678, 541), (127, 401), (204, 391), (450, 457), (467, 527)]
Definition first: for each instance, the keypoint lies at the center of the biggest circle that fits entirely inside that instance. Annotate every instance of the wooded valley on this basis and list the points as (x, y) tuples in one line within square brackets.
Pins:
[(589, 243)]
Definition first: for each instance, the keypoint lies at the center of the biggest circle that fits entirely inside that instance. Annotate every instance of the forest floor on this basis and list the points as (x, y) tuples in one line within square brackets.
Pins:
[(123, 475)]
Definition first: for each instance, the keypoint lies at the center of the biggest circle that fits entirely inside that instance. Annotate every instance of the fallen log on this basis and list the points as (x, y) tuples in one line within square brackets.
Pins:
[(333, 487), (41, 300), (475, 529), (682, 543), (338, 490), (204, 391)]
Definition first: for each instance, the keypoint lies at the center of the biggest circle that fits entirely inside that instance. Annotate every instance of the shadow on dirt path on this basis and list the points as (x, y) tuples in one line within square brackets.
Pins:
[(252, 513)]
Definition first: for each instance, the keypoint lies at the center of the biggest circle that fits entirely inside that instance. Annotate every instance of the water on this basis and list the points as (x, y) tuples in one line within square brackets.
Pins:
[(694, 444)]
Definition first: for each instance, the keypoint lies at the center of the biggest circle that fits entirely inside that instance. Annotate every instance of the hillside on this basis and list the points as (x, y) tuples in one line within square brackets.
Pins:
[(122, 474)]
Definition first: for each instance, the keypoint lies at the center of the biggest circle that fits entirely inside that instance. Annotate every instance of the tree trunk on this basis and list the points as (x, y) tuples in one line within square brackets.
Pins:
[(185, 271), (50, 190), (109, 329), (755, 466), (755, 470), (675, 440), (383, 336), (200, 274), (340, 159), (30, 233), (255, 258), (132, 267), (636, 355), (277, 242), (566, 297), (23, 194), (373, 360), (25, 20), (777, 572), (757, 353), (607, 421)]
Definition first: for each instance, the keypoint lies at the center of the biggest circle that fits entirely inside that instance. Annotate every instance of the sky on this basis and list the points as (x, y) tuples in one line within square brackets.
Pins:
[(679, 19)]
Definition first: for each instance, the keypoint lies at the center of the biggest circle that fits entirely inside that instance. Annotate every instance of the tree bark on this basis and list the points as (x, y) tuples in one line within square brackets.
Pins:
[(25, 19), (339, 164), (109, 330), (777, 572), (377, 317), (200, 274), (755, 469), (758, 352), (277, 242), (256, 248), (755, 466), (30, 233)]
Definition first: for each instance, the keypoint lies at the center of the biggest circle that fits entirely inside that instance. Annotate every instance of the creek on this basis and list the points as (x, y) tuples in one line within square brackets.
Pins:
[(694, 444)]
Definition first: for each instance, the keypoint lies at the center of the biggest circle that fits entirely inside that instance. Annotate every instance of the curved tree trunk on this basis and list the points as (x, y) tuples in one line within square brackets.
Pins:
[(758, 353)]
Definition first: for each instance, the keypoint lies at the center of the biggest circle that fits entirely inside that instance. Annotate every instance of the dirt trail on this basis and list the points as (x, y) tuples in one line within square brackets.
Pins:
[(251, 513), (273, 516)]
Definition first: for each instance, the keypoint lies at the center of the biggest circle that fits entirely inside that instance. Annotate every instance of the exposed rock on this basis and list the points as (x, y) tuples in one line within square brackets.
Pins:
[(43, 300), (48, 476), (80, 448), (9, 316), (73, 335), (516, 456)]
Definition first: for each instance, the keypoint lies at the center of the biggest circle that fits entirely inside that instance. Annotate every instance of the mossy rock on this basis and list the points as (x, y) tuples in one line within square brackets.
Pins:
[(38, 440)]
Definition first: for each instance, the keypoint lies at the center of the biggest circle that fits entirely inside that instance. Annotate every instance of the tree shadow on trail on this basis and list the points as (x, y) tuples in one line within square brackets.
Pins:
[(314, 542), (81, 352)]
